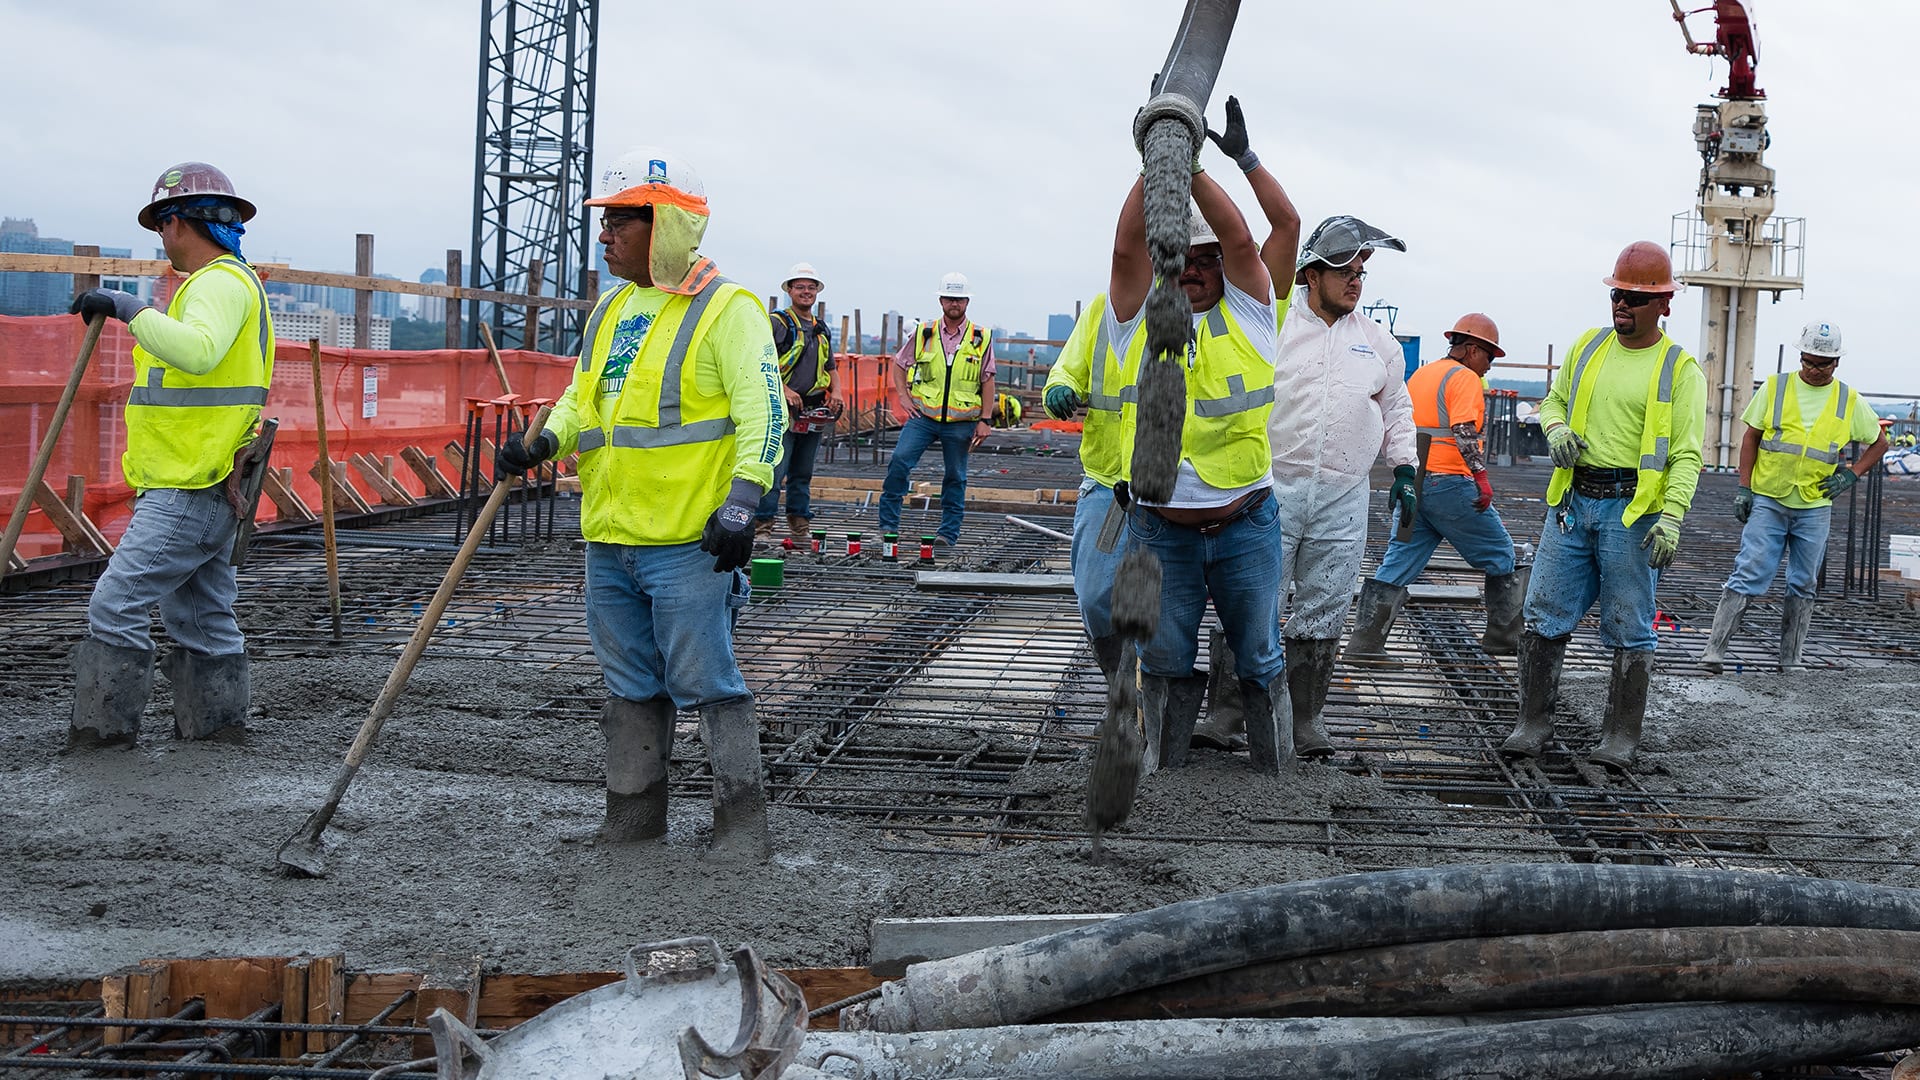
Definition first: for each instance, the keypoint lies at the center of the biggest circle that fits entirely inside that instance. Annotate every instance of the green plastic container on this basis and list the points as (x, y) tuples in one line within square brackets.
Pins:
[(767, 573)]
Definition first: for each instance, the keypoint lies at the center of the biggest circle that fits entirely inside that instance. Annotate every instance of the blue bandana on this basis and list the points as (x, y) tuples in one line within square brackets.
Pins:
[(219, 215)]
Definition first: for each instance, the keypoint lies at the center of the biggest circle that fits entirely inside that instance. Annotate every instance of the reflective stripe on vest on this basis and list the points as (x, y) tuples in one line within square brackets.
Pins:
[(1444, 430), (1655, 434), (1657, 461), (670, 432), (182, 397), (1778, 444), (1239, 399), (1097, 396)]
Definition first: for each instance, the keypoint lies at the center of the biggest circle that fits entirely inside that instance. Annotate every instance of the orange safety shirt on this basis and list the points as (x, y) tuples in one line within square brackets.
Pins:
[(1464, 403)]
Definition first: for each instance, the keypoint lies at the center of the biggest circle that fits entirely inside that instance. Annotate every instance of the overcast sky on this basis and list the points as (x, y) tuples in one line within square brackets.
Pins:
[(1516, 146)]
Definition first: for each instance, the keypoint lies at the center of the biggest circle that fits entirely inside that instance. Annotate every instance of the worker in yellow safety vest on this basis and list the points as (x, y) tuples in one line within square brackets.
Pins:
[(811, 384), (1791, 468), (942, 375), (200, 375), (676, 412), (1624, 422)]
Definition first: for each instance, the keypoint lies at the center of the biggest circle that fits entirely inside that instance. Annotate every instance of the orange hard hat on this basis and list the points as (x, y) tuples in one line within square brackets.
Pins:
[(1481, 329), (1643, 267), (191, 179)]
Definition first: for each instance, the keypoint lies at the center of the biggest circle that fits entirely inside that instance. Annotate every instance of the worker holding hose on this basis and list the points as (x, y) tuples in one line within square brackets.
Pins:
[(676, 410), (201, 370)]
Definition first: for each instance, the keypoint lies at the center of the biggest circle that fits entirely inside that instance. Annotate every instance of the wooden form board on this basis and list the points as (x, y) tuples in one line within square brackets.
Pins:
[(75, 527), (345, 499)]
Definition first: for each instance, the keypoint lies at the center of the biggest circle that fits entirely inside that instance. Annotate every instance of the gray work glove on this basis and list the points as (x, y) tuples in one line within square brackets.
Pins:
[(121, 305), (1564, 447), (728, 536), (1233, 141)]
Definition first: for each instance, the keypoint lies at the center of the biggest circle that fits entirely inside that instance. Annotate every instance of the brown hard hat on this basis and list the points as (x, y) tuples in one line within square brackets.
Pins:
[(1481, 329), (1644, 268), (187, 180)]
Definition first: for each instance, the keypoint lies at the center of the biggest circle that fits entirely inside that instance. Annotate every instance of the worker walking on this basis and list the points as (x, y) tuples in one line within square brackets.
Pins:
[(941, 376), (676, 412), (1456, 503), (812, 387), (200, 375), (1790, 471), (1624, 422)]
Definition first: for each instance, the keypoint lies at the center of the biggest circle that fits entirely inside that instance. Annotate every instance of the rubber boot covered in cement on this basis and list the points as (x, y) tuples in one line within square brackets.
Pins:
[(1309, 674), (1170, 732), (1795, 616), (1269, 735), (1726, 623), (732, 735), (110, 689), (639, 740), (1226, 723), (1372, 619), (210, 694), (1626, 708), (1506, 601), (1539, 675)]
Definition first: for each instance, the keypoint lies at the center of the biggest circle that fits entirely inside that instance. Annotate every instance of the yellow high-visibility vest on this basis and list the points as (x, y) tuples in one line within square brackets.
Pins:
[(1656, 429), (1795, 454), (798, 336), (949, 391), (1229, 398)]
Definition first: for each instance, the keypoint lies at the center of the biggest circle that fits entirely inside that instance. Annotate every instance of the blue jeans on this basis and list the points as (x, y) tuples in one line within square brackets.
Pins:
[(798, 451), (1093, 569), (1597, 558), (918, 434), (1773, 529), (174, 554), (1239, 566), (661, 622), (1447, 513)]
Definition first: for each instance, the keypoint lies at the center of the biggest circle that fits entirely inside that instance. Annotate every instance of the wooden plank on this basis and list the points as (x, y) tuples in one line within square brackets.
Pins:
[(326, 999), (113, 1003), (450, 983), (277, 484), (388, 492), (232, 986), (899, 942), (345, 499), (76, 536), (457, 457), (76, 499), (506, 1000), (428, 473), (293, 1005), (960, 581), (368, 992)]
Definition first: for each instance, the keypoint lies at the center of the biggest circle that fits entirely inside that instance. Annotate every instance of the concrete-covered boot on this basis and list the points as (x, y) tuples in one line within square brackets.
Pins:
[(1795, 617), (1726, 623), (210, 694), (1109, 652), (639, 740), (110, 689), (1539, 674), (1179, 720), (1226, 722), (732, 735), (1506, 599), (1626, 708), (798, 527), (1269, 735), (1309, 673), (1372, 619)]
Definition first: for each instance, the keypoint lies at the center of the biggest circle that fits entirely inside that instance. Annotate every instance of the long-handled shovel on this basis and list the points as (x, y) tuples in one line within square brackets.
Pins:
[(301, 854), (18, 522), (326, 486)]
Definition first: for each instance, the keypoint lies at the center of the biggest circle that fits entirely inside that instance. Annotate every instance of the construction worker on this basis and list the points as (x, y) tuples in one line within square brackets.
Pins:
[(1790, 471), (941, 376), (676, 412), (201, 370), (1456, 504), (1342, 377), (1623, 422), (811, 384)]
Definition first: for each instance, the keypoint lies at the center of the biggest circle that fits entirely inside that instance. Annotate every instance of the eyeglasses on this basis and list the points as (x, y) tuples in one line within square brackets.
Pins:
[(1633, 299), (1205, 262), (614, 222), (1818, 361), (1346, 273)]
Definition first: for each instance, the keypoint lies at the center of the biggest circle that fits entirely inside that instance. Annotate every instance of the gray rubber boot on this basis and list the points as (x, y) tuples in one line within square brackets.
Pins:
[(1108, 652), (1269, 735), (1506, 597), (1373, 617), (1795, 617), (210, 694), (1178, 722), (1155, 694), (1226, 723), (1726, 623), (110, 689), (639, 741), (1309, 673), (1626, 708), (732, 735), (1540, 659)]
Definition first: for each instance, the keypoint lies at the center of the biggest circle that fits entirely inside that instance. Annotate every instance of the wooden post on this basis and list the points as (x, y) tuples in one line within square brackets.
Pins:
[(326, 999), (293, 1007), (362, 299), (76, 495), (536, 280), (592, 285), (859, 339), (83, 282), (453, 306)]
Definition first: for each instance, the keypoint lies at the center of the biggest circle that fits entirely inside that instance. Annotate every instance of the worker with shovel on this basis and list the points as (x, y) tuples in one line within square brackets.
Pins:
[(1790, 471), (812, 389), (1624, 422), (676, 411), (201, 370)]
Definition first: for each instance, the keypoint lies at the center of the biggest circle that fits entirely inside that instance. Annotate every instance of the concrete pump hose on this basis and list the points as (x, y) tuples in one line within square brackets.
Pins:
[(1159, 426), (1015, 984)]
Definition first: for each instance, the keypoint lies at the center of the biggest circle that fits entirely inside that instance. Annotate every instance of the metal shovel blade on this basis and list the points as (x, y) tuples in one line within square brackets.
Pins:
[(300, 856)]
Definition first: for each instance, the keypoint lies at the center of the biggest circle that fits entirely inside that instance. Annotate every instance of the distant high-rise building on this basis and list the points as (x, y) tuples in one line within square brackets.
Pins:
[(23, 293), (301, 321), (1059, 327)]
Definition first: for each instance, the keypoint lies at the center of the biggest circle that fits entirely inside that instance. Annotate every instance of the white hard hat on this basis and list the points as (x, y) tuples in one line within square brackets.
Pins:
[(1821, 339), (954, 284), (803, 270), (623, 183), (1198, 231)]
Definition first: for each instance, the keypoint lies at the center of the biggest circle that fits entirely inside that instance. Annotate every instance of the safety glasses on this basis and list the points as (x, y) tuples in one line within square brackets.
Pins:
[(1633, 299), (1822, 362)]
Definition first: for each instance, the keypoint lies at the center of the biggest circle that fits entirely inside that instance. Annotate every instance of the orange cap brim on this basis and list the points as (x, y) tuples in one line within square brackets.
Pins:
[(652, 194)]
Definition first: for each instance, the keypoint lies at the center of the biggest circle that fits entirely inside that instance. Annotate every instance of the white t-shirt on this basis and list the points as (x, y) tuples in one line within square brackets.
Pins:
[(1256, 320)]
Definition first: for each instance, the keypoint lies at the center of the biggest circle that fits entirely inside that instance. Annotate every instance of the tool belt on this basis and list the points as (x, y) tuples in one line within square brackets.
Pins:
[(1605, 483), (1231, 512)]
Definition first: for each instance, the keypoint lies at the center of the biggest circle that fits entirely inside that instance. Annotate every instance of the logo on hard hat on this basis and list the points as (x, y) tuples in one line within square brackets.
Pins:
[(172, 179), (656, 171), (1826, 330)]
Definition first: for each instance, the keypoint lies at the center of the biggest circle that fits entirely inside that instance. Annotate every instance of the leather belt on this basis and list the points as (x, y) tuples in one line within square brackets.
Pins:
[(1605, 483), (1232, 512)]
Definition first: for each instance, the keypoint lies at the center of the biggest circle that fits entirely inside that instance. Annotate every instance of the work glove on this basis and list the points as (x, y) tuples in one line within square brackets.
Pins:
[(1062, 402), (121, 305), (1839, 481), (728, 536), (1485, 499), (1743, 504), (515, 457), (1662, 543), (1233, 141), (1402, 493), (1564, 447)]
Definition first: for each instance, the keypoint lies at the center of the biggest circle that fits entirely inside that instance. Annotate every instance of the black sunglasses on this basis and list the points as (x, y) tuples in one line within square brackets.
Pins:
[(1633, 299), (1819, 362)]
